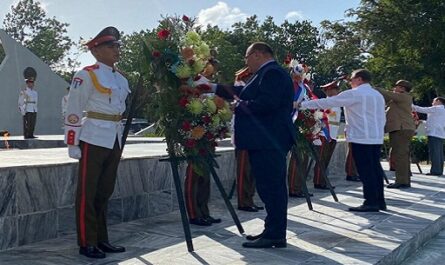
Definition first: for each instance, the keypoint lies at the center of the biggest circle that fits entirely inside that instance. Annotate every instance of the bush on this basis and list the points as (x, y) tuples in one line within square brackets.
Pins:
[(419, 148)]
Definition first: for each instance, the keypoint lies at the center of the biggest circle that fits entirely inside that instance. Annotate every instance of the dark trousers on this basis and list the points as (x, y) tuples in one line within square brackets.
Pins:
[(29, 123), (435, 149), (269, 171), (367, 160), (400, 156), (197, 191), (325, 151), (350, 167), (97, 178), (296, 172), (244, 179)]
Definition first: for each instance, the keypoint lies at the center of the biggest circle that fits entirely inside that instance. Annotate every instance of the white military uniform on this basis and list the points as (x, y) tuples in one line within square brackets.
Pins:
[(28, 101), (104, 96)]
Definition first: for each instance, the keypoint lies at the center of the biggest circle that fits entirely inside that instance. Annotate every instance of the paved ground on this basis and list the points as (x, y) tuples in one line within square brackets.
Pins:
[(328, 235), (432, 253)]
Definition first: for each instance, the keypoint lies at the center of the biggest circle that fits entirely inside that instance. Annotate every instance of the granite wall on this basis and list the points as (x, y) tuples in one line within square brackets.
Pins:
[(37, 203)]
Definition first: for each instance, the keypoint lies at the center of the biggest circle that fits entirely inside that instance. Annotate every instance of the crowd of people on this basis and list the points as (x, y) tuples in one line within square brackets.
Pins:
[(265, 97)]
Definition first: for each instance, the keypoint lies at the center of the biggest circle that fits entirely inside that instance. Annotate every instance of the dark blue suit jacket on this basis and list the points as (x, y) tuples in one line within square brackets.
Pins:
[(263, 117)]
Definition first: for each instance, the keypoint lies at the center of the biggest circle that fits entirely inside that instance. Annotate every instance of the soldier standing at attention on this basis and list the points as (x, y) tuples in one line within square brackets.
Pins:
[(96, 140), (28, 108)]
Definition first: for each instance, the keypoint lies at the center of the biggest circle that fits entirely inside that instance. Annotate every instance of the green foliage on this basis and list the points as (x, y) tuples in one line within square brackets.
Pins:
[(407, 42), (2, 53), (46, 37)]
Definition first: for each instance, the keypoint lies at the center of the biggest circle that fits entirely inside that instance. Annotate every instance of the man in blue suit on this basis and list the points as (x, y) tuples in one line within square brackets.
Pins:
[(263, 126)]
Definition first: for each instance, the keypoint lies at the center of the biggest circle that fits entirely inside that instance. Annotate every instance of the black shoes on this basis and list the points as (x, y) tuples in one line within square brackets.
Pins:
[(200, 222), (322, 187), (353, 178), (212, 220), (253, 208), (92, 252), (365, 208), (255, 237), (299, 195), (398, 186), (266, 243), (107, 247)]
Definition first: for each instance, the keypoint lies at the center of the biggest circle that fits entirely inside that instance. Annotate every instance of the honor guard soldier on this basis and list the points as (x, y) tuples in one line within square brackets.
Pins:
[(95, 139), (244, 179), (28, 108), (298, 162), (326, 149), (197, 178)]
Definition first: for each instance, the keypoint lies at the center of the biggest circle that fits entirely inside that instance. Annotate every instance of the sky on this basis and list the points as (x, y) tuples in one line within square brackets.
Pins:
[(88, 17)]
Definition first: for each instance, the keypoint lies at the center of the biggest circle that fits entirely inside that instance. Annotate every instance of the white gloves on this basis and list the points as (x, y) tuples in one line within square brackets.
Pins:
[(74, 151)]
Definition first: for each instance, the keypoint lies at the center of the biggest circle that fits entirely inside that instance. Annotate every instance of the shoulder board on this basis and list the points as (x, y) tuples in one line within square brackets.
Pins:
[(91, 67)]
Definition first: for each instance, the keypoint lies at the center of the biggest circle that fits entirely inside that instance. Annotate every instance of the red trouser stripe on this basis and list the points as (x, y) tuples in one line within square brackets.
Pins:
[(189, 178), (241, 176), (83, 195)]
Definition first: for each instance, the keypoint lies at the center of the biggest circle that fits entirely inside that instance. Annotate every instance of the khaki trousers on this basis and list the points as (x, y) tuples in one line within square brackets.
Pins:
[(400, 154), (325, 151), (197, 192)]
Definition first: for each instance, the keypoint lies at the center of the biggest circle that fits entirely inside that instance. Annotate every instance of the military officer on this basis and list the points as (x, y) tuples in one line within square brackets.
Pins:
[(197, 178), (28, 99), (326, 149), (244, 179), (100, 91)]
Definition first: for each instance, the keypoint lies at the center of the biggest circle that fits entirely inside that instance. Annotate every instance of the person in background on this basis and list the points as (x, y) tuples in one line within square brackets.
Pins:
[(244, 178), (400, 127), (27, 102), (365, 120), (435, 130), (326, 149)]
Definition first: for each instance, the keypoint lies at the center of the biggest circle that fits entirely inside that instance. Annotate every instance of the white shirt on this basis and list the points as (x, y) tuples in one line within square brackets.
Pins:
[(435, 123), (364, 113), (64, 103), (83, 96), (28, 100)]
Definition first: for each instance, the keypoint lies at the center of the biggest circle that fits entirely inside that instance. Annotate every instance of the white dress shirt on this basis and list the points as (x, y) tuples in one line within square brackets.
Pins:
[(435, 122), (364, 113)]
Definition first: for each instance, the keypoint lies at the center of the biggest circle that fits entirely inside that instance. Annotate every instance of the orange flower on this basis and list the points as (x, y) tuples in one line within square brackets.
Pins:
[(198, 132), (187, 53), (219, 102)]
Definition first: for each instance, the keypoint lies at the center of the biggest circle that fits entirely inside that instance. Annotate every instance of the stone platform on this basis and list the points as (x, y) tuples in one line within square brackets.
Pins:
[(327, 235), (54, 141)]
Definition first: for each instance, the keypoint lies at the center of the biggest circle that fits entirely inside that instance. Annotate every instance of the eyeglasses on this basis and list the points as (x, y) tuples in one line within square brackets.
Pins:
[(247, 56), (114, 45)]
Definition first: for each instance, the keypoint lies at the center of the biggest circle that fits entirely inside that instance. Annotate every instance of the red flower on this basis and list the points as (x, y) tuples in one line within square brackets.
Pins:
[(186, 126), (190, 143), (183, 102), (203, 88), (156, 53), (163, 34), (327, 111), (206, 119), (185, 18), (210, 136)]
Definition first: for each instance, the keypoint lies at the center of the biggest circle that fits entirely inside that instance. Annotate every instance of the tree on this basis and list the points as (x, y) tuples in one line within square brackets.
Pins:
[(2, 53), (407, 41), (46, 37)]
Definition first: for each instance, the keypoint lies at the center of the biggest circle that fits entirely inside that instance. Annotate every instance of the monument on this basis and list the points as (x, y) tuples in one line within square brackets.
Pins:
[(50, 86)]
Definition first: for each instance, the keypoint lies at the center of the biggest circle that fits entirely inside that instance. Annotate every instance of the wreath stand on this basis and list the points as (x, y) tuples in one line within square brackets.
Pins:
[(211, 163), (313, 157)]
